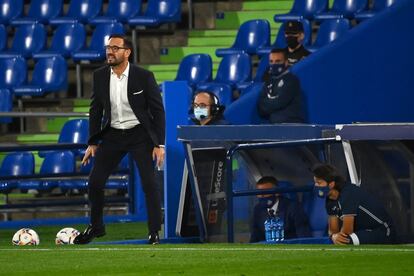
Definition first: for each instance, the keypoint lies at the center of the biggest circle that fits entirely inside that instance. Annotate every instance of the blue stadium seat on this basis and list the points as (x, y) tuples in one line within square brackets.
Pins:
[(6, 104), (378, 6), (13, 71), (40, 11), (195, 69), (234, 70), (329, 30), (15, 164), (96, 49), (80, 11), (244, 110), (67, 39), (49, 75), (157, 13), (28, 39), (118, 11), (303, 9), (75, 132), (3, 37), (314, 207), (54, 163), (9, 10), (261, 69), (280, 41), (222, 91), (252, 35), (343, 9)]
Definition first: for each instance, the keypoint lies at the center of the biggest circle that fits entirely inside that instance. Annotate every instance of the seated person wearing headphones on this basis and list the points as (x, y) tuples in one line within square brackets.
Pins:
[(207, 109)]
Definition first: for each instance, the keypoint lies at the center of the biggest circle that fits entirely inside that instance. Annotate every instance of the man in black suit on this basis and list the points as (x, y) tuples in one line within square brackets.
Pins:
[(126, 116)]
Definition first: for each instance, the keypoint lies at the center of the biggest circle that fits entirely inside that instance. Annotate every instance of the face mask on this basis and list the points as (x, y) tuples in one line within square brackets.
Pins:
[(200, 113), (276, 69), (292, 42), (267, 201), (321, 191)]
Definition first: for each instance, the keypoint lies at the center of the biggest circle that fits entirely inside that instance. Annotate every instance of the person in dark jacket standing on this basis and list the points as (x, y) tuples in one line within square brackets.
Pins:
[(281, 98), (126, 116)]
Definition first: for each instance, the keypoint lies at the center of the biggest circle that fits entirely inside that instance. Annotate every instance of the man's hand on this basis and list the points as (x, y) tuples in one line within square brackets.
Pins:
[(340, 238), (158, 155), (90, 152)]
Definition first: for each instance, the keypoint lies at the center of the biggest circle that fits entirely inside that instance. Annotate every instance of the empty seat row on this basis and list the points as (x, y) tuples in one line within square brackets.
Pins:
[(253, 36), (89, 12), (318, 9), (57, 162), (69, 40), (49, 75)]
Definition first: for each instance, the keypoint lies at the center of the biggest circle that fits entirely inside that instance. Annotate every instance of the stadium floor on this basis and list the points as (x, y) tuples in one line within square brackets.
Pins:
[(192, 259)]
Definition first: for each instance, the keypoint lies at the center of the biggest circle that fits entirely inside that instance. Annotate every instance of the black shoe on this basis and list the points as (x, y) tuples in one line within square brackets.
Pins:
[(153, 238), (89, 234)]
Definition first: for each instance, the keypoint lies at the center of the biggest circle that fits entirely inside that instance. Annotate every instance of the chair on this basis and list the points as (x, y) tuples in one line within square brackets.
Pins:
[(75, 132), (49, 75), (3, 37), (54, 163), (28, 39), (40, 11), (96, 49), (343, 9), (195, 69), (234, 70), (157, 13), (280, 41), (9, 10), (261, 69), (252, 35), (303, 9), (13, 71), (6, 104), (222, 91), (80, 11), (314, 207), (329, 30), (68, 38), (378, 6), (15, 164), (118, 11)]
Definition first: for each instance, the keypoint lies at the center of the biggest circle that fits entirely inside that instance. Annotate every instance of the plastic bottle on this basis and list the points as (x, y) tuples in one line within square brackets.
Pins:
[(281, 229), (268, 225)]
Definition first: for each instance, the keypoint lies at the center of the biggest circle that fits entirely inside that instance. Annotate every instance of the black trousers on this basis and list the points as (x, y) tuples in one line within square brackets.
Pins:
[(115, 144)]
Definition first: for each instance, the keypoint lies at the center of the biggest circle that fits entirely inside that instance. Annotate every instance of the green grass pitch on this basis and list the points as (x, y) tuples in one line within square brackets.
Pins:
[(195, 259)]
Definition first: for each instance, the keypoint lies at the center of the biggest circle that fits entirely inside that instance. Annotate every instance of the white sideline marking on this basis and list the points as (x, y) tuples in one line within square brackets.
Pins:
[(213, 249)]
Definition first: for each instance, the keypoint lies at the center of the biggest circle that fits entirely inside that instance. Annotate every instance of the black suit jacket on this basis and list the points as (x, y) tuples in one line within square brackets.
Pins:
[(147, 105)]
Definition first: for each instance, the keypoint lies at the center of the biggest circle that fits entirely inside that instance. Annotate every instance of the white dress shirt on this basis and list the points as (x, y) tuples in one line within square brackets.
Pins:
[(122, 116)]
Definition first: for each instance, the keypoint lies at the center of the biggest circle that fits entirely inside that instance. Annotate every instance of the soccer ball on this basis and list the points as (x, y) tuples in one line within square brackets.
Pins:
[(26, 236), (66, 236)]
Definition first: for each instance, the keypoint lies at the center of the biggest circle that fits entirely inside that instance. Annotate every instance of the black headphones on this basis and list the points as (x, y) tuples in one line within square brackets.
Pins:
[(216, 107)]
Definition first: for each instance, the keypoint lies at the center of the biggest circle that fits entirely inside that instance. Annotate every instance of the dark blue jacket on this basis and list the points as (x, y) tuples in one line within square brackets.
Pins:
[(296, 223), (281, 99)]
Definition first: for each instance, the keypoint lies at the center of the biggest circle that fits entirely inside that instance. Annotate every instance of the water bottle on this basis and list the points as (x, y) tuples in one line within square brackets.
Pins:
[(276, 229), (268, 229), (281, 229)]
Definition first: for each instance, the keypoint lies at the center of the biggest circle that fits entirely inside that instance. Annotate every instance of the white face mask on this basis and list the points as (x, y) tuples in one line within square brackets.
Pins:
[(201, 113)]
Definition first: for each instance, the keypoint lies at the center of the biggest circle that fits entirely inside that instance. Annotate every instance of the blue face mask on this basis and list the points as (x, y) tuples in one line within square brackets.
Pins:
[(276, 69), (200, 113), (267, 201), (321, 191)]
